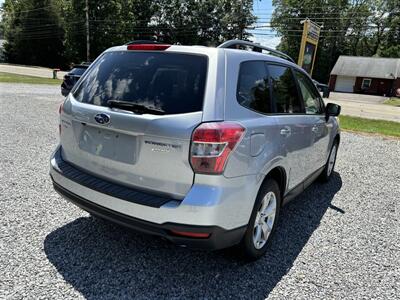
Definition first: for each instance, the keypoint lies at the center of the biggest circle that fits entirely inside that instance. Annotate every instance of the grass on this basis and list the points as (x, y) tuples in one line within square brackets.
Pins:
[(392, 101), (370, 126), (8, 77)]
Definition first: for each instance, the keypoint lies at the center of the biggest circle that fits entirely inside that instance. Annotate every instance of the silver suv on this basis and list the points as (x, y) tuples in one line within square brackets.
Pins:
[(199, 145)]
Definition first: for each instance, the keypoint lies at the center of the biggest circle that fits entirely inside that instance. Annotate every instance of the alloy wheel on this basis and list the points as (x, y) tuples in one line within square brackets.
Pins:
[(264, 220)]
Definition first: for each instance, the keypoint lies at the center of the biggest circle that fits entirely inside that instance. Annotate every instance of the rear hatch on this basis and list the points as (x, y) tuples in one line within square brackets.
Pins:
[(131, 117)]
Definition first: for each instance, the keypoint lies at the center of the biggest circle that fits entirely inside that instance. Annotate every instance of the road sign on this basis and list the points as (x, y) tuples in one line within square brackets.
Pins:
[(308, 47)]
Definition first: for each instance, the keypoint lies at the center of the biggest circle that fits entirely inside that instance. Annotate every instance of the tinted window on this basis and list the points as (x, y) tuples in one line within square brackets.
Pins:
[(284, 90), (77, 71), (253, 88), (168, 81), (310, 95)]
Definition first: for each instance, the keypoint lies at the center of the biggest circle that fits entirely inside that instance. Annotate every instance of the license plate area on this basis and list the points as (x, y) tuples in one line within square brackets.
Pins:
[(107, 144)]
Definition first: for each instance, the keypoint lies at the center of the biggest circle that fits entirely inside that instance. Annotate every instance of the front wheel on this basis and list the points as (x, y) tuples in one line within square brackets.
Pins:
[(330, 164), (263, 221)]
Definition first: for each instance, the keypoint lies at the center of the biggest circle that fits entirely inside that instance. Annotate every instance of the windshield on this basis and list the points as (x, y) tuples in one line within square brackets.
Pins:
[(171, 82)]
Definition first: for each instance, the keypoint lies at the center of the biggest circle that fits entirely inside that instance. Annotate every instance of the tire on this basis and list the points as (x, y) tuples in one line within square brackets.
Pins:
[(253, 248), (330, 163)]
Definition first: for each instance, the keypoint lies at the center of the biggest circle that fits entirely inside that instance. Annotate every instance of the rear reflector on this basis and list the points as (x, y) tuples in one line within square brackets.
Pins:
[(199, 235), (148, 47), (212, 144)]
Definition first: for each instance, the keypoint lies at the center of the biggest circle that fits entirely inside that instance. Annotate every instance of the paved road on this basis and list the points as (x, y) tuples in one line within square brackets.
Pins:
[(372, 99), (365, 106), (31, 71), (336, 241)]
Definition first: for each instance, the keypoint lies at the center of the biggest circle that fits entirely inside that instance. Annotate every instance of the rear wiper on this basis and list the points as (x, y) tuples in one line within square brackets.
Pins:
[(136, 108)]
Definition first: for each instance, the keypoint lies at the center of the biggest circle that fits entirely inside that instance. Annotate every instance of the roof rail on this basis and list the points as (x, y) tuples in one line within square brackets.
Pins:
[(256, 48)]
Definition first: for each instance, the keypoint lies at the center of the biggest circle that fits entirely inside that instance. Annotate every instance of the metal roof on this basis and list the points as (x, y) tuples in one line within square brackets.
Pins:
[(374, 67)]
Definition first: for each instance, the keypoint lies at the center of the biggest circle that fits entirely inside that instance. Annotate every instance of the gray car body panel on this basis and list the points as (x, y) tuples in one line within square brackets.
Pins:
[(161, 165)]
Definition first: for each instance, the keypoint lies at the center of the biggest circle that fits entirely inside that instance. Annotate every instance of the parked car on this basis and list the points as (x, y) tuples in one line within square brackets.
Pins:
[(72, 77), (323, 88), (199, 145)]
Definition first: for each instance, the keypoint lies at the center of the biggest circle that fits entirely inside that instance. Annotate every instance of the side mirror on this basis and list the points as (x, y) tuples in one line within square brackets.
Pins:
[(332, 110)]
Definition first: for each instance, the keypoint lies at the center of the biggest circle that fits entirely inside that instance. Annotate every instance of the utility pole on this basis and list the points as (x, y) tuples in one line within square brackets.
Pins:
[(87, 32), (241, 20)]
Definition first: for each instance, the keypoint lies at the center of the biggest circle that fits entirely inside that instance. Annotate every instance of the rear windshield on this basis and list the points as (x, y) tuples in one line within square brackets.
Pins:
[(171, 82)]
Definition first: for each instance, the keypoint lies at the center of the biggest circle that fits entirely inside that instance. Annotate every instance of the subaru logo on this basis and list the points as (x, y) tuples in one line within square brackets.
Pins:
[(102, 119)]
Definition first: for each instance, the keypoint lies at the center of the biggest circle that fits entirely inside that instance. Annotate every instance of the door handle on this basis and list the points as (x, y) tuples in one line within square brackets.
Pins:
[(286, 131)]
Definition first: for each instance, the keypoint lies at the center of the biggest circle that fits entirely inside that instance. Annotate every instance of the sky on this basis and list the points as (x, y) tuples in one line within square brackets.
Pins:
[(265, 36)]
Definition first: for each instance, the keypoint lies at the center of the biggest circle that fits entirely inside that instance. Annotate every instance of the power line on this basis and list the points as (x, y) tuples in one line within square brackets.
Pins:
[(43, 36), (309, 13), (325, 7), (178, 29), (39, 8), (280, 25), (313, 19), (155, 26)]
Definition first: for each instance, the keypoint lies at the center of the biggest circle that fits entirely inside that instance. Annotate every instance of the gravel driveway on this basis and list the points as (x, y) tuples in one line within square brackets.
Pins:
[(338, 240)]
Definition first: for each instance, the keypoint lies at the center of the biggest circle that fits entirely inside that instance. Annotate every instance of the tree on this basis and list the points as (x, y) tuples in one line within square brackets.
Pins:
[(112, 22), (34, 32), (350, 27), (56, 29), (187, 22), (390, 42), (202, 22)]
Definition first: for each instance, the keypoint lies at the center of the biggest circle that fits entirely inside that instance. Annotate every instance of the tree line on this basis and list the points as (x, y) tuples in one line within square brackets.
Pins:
[(350, 27), (53, 32)]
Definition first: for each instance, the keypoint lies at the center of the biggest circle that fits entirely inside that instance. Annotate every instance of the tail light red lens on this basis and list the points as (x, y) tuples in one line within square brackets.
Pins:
[(212, 144), (148, 47)]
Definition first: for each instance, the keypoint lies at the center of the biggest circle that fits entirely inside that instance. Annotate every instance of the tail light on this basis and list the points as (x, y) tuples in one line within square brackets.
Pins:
[(148, 47), (212, 144)]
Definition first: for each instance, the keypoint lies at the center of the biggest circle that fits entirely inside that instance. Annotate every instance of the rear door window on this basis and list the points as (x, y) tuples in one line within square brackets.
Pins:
[(253, 86), (171, 82), (284, 90)]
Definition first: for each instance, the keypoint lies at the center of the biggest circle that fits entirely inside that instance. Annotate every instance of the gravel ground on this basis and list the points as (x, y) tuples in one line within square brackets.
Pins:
[(338, 240)]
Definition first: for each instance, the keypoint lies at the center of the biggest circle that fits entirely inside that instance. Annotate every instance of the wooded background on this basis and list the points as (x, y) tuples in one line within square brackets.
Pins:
[(53, 32), (357, 27)]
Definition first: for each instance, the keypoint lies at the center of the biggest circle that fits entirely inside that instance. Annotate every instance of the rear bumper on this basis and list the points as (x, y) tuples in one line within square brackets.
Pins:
[(219, 238), (215, 205)]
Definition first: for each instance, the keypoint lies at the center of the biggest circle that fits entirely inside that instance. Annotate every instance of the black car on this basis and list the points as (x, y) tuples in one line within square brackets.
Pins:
[(72, 77), (324, 88)]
